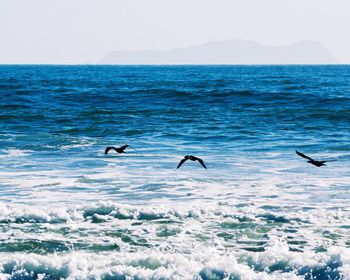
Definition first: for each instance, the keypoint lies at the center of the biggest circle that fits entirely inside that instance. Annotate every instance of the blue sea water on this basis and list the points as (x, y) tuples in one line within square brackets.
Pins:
[(68, 211)]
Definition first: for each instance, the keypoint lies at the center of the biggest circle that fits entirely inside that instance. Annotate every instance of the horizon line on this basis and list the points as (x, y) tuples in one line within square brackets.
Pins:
[(174, 64)]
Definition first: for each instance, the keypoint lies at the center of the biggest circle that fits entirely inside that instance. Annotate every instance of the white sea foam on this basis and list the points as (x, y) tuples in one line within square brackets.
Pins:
[(15, 153), (205, 263), (176, 228), (124, 219), (196, 210)]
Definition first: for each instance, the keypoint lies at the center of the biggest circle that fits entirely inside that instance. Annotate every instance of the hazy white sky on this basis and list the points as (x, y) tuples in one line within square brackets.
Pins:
[(77, 31)]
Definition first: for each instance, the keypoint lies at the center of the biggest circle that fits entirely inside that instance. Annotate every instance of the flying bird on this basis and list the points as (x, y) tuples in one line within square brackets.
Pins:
[(193, 158), (312, 161), (119, 150)]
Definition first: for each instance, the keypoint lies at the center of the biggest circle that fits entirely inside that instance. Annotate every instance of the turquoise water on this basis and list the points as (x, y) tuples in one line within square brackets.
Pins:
[(259, 211)]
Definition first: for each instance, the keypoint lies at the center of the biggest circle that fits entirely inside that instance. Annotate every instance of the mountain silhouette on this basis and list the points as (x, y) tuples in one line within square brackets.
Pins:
[(229, 52)]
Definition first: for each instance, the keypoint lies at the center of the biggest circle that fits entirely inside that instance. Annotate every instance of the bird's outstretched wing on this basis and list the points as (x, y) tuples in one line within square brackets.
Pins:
[(304, 156), (108, 149), (181, 162), (123, 147), (201, 162)]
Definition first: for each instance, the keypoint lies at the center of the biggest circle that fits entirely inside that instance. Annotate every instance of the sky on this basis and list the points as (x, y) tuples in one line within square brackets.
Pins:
[(84, 31)]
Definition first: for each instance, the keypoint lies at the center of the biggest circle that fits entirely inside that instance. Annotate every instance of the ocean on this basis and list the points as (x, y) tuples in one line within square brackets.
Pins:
[(259, 211)]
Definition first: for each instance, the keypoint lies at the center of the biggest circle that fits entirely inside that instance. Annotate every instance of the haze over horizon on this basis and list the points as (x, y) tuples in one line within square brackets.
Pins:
[(65, 32), (233, 52)]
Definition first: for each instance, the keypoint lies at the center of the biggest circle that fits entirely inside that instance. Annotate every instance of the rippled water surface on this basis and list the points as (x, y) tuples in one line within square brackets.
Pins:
[(259, 211)]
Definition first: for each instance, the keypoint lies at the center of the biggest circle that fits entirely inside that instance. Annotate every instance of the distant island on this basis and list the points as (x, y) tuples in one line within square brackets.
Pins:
[(229, 52)]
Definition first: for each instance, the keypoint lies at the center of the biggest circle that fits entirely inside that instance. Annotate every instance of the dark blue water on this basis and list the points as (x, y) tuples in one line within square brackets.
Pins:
[(260, 209), (264, 103)]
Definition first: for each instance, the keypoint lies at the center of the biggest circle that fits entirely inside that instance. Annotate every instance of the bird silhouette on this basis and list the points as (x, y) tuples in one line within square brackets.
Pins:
[(193, 158), (119, 150), (312, 161)]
